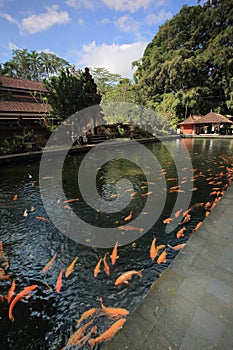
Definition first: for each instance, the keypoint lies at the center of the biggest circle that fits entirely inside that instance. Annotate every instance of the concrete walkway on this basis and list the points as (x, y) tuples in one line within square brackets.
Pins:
[(190, 307)]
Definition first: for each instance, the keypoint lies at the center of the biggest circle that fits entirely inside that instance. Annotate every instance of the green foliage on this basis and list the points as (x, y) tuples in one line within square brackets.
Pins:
[(115, 102), (33, 65), (187, 68), (104, 80), (70, 92), (14, 144)]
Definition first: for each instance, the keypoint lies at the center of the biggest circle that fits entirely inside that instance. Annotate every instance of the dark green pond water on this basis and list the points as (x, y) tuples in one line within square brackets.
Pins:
[(47, 319)]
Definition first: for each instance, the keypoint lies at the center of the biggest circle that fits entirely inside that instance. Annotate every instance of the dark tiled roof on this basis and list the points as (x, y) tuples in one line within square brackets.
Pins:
[(13, 83), (191, 120), (213, 117), (12, 106)]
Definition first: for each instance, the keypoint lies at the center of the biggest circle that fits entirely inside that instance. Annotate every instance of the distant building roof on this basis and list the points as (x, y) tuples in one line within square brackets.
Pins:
[(192, 119), (213, 118), (22, 84), (24, 107)]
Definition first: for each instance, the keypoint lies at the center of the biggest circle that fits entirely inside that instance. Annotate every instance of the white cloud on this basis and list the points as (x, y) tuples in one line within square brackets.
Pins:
[(12, 46), (115, 57), (89, 4), (127, 24), (161, 17), (38, 23), (127, 5), (9, 18)]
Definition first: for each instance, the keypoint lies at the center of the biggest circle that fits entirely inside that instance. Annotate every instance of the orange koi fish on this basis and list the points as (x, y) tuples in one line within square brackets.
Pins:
[(114, 312), (59, 281), (71, 267), (2, 255), (207, 213), (186, 219), (108, 334), (176, 191), (11, 292), (183, 181), (178, 246), (129, 190), (127, 276), (174, 187), (162, 258), (207, 205), (133, 194), (172, 179), (25, 292), (213, 193), (81, 340), (212, 206), (114, 255), (72, 200), (4, 277), (106, 267), (197, 226), (167, 221), (15, 197), (197, 205), (153, 250), (180, 233), (97, 268), (146, 194), (161, 246), (87, 314), (67, 207), (75, 337), (41, 218), (131, 228), (129, 217), (177, 214), (114, 195), (49, 264), (187, 212)]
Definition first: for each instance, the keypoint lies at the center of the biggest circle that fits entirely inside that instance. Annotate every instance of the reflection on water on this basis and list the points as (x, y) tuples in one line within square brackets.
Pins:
[(47, 318)]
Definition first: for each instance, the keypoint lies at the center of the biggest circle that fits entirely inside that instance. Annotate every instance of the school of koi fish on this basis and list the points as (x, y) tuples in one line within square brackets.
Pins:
[(86, 333)]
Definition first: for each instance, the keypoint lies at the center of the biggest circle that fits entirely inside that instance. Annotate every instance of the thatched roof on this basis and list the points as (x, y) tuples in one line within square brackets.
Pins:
[(213, 118), (24, 107), (21, 84), (191, 120)]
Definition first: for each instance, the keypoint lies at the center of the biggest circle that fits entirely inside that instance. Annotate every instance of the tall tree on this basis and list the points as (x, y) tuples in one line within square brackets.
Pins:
[(104, 80), (190, 62), (70, 92), (33, 65)]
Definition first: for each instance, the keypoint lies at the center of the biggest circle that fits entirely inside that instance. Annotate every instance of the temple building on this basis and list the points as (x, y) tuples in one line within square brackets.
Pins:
[(211, 123), (23, 106)]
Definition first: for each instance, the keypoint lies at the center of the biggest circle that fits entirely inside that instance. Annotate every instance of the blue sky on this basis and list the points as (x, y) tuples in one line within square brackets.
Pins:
[(92, 33)]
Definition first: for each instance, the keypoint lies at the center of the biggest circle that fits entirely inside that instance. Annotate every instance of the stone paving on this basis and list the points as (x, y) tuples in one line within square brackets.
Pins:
[(190, 307)]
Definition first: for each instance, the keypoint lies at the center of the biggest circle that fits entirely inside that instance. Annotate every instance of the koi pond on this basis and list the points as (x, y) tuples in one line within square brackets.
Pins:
[(33, 252)]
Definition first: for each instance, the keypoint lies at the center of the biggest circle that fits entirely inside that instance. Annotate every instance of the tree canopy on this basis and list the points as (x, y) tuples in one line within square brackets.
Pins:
[(188, 66), (32, 65), (104, 80), (71, 91)]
